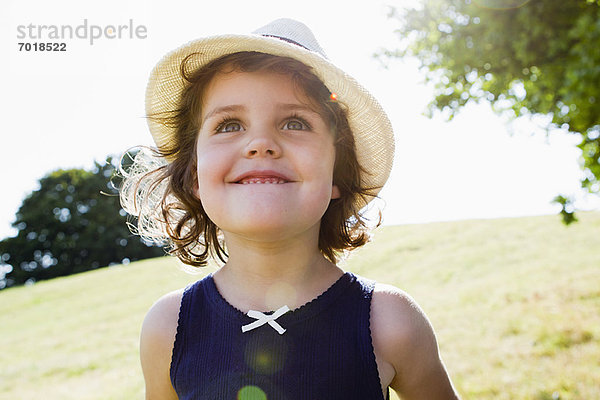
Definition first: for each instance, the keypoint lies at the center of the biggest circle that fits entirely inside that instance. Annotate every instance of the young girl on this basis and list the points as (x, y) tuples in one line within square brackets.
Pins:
[(269, 152)]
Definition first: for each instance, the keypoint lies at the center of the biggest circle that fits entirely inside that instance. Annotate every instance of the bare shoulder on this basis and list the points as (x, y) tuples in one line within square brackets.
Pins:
[(156, 345), (161, 320), (398, 323), (405, 343)]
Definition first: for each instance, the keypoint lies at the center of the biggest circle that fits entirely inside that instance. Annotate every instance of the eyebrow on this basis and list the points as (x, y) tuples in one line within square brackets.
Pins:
[(223, 110), (297, 107), (241, 108)]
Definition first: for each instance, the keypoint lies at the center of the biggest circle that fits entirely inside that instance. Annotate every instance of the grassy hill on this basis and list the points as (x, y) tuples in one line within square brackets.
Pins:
[(515, 304)]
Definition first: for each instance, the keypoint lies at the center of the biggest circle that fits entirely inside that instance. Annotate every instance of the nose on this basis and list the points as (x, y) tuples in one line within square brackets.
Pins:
[(263, 144)]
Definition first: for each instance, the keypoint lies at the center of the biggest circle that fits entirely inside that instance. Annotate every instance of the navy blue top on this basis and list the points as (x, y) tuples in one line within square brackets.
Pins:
[(326, 351)]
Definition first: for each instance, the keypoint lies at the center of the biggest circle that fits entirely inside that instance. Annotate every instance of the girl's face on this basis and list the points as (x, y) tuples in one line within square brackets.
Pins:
[(265, 157)]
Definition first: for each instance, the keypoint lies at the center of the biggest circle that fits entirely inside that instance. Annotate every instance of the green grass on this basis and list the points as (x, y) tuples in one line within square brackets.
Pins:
[(515, 304)]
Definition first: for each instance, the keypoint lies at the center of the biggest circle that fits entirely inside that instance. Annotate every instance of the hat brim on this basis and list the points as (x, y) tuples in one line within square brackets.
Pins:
[(369, 123)]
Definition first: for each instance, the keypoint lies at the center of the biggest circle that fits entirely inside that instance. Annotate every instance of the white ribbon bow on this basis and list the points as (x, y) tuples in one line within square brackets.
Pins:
[(262, 319)]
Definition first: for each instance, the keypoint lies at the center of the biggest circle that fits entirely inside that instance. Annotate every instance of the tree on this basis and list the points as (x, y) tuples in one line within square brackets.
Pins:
[(72, 223), (524, 57)]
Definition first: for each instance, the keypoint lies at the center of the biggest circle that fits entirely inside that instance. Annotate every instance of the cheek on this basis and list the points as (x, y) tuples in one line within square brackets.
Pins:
[(210, 161), (327, 160), (204, 167), (206, 173), (211, 169), (206, 196), (321, 164)]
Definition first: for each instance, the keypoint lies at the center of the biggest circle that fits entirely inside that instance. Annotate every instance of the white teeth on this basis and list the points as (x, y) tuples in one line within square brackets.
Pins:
[(263, 181)]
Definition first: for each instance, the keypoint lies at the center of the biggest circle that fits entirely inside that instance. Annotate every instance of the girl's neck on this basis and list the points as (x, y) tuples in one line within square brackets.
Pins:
[(267, 276)]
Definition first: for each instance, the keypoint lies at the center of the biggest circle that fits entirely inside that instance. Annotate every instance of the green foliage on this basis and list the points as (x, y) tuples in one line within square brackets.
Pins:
[(567, 211), (72, 223), (524, 57)]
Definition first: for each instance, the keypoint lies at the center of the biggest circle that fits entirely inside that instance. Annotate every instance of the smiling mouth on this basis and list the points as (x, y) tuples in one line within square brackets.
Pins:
[(262, 177), (262, 180)]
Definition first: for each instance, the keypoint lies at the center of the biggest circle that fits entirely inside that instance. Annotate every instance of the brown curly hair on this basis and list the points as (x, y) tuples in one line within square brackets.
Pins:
[(178, 212)]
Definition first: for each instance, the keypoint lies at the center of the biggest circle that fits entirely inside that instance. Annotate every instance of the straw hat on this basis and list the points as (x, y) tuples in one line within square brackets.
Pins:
[(288, 38)]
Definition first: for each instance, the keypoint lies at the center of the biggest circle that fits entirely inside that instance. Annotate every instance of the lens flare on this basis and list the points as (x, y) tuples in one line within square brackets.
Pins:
[(266, 355), (251, 393)]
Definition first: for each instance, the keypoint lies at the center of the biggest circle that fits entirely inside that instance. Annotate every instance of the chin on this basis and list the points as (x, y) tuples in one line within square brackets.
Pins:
[(271, 230)]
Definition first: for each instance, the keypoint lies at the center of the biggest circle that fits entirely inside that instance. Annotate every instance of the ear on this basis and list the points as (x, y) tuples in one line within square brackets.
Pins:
[(335, 192)]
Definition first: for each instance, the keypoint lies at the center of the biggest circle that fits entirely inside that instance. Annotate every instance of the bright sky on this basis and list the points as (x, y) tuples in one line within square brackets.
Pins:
[(65, 109)]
